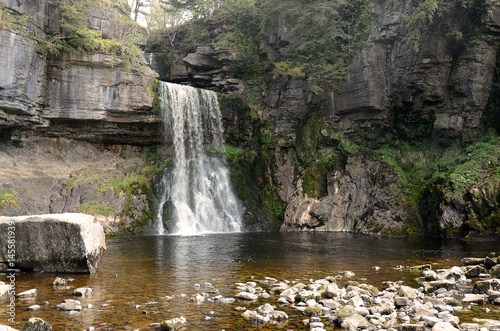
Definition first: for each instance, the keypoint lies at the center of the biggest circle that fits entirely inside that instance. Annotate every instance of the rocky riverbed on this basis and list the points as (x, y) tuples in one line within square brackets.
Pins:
[(333, 302)]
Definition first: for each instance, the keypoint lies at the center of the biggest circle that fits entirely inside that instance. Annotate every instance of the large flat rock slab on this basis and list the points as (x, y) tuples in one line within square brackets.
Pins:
[(53, 243)]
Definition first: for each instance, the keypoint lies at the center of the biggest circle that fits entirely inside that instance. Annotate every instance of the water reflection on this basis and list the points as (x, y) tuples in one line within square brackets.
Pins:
[(138, 273)]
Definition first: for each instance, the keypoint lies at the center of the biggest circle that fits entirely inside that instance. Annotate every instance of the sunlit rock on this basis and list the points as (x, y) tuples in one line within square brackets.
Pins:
[(246, 296), (34, 308), (70, 305), (27, 294)]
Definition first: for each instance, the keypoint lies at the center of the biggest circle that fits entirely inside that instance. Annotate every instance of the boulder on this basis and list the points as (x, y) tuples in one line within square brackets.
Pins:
[(433, 286), (479, 299), (83, 292), (27, 294), (495, 271), (486, 285), (37, 324), (474, 271), (279, 315), (265, 310), (59, 282), (246, 296), (55, 243), (70, 305), (472, 261), (401, 302), (355, 321)]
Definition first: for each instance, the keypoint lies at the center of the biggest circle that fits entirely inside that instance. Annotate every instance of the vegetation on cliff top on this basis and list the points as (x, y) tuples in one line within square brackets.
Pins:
[(72, 33)]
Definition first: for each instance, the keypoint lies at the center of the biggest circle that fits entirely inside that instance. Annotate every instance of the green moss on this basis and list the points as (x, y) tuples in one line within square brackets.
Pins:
[(307, 139), (154, 88), (271, 202), (314, 181), (96, 207), (9, 198), (137, 226), (129, 184)]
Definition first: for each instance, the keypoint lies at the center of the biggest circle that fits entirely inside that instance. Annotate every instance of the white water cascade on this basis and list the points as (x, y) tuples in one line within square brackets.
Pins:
[(196, 195)]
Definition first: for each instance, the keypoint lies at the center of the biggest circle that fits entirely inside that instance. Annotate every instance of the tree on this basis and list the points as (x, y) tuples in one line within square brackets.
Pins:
[(139, 8)]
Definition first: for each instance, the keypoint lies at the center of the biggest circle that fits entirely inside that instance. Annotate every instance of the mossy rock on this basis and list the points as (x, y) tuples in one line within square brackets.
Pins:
[(346, 312), (313, 311), (315, 181)]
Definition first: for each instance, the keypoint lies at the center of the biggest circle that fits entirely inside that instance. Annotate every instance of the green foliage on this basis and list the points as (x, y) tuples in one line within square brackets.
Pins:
[(454, 20), (307, 139), (151, 152), (154, 88), (481, 162), (96, 207), (234, 154), (8, 198), (295, 70), (325, 34), (190, 34), (75, 36), (243, 35)]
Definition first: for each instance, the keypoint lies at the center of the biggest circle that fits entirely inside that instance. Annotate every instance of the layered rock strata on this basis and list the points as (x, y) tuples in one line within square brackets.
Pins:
[(88, 96)]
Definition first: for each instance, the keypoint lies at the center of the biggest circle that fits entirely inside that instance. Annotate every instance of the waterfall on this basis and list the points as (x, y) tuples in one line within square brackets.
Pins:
[(196, 195)]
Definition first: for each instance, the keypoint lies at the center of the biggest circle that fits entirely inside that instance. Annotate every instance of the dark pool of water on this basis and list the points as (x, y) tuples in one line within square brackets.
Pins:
[(137, 275)]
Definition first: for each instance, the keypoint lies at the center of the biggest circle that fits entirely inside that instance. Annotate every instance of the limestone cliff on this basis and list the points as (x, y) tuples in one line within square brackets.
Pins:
[(89, 96)]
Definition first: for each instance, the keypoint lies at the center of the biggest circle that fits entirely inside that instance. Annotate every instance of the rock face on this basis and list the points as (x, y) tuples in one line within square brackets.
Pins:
[(94, 97), (55, 243), (58, 175), (358, 199), (440, 88)]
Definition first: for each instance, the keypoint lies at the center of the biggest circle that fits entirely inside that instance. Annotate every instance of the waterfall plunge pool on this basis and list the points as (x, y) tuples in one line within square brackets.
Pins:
[(149, 279)]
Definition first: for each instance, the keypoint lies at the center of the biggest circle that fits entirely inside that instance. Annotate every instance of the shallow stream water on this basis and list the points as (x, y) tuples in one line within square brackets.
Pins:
[(139, 275)]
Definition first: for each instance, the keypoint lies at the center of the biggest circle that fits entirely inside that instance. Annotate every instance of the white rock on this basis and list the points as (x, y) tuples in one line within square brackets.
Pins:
[(444, 326), (27, 294), (246, 296)]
